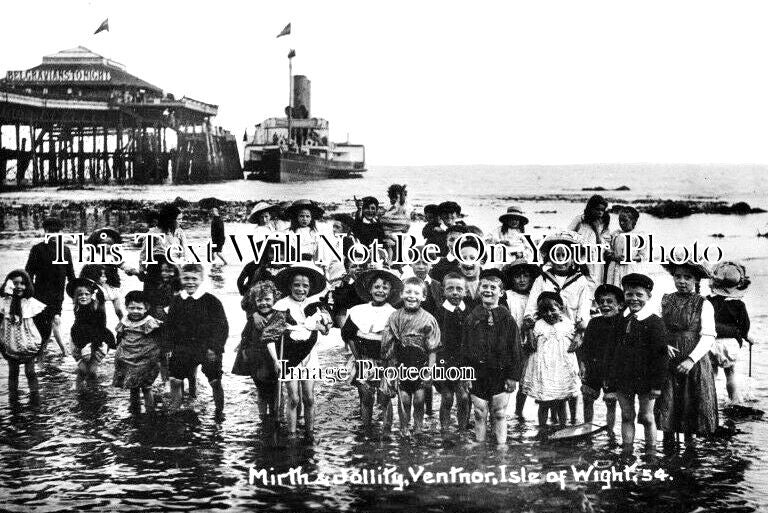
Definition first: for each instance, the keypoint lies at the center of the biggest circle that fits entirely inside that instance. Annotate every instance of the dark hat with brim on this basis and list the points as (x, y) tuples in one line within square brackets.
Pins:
[(637, 280), (80, 282), (514, 213), (98, 236), (317, 280), (366, 279), (698, 270), (491, 273), (302, 204), (260, 207), (520, 265), (729, 279)]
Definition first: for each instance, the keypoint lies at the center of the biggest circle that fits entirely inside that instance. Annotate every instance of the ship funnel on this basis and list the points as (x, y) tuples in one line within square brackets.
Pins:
[(301, 95)]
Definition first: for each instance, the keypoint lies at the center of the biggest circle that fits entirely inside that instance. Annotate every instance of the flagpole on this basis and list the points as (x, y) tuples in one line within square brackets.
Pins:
[(290, 96)]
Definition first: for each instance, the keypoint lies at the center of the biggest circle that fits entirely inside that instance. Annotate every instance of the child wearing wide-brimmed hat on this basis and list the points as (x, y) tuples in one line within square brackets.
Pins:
[(688, 402), (304, 320), (363, 331), (729, 283), (304, 215), (510, 234), (263, 215)]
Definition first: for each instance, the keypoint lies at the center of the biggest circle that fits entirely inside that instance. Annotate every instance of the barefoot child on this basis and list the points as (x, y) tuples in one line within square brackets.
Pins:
[(518, 279), (450, 316), (490, 345), (89, 333), (411, 339), (137, 358), (303, 321), (639, 365), (596, 352), (196, 330), (628, 217), (162, 281), (363, 332), (218, 235), (688, 402), (257, 357), (19, 339), (729, 284), (560, 274), (552, 373)]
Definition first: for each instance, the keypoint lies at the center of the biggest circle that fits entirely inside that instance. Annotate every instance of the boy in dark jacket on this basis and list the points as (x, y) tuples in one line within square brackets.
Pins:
[(491, 346), (196, 330), (639, 362), (596, 352)]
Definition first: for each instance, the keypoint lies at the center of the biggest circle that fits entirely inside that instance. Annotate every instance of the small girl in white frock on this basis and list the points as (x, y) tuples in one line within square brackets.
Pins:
[(552, 372), (19, 339)]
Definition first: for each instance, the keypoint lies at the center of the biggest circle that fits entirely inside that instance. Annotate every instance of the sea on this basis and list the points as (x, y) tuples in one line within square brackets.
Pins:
[(83, 450)]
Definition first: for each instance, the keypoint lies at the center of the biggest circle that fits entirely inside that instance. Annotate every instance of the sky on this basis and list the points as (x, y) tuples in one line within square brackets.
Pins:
[(426, 83)]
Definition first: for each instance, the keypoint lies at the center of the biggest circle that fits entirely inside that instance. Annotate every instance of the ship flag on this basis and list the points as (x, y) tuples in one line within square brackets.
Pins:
[(245, 135), (285, 31), (104, 26), (292, 54)]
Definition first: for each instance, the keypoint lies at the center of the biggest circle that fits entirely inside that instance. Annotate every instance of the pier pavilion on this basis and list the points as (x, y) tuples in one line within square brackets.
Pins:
[(80, 118)]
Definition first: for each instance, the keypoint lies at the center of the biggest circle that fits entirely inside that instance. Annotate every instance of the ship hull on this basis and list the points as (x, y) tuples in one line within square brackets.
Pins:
[(283, 167)]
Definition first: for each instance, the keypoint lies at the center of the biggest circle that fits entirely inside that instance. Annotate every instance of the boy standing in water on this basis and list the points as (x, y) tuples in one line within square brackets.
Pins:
[(491, 346), (218, 236), (197, 330)]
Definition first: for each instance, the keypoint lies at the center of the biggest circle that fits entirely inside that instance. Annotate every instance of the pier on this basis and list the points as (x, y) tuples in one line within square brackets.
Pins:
[(79, 118)]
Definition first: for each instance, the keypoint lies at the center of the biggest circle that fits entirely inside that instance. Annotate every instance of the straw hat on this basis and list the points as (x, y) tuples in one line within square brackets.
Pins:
[(260, 207), (80, 282), (98, 236), (310, 205), (518, 266), (365, 280), (698, 269), (566, 237), (316, 278), (514, 213), (729, 279)]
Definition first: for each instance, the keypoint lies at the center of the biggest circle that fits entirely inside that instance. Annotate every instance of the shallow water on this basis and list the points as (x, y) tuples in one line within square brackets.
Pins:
[(85, 451)]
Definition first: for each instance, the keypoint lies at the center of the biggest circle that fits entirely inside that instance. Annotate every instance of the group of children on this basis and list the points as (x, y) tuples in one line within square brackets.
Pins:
[(550, 332)]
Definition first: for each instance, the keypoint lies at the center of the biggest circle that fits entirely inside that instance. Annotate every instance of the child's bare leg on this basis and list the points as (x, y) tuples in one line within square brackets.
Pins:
[(481, 418), (463, 404), (218, 395), (646, 418), (149, 400), (520, 403), (292, 387), (572, 404), (589, 409), (56, 332), (498, 409), (29, 372), (418, 409), (560, 407), (308, 400), (13, 381), (135, 406), (610, 414), (405, 411), (177, 390), (446, 403), (367, 398), (730, 385), (388, 416), (428, 400), (543, 413), (627, 403), (193, 383)]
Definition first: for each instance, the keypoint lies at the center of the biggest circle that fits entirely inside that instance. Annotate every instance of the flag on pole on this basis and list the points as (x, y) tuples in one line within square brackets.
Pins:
[(104, 26), (292, 54), (245, 136), (285, 31)]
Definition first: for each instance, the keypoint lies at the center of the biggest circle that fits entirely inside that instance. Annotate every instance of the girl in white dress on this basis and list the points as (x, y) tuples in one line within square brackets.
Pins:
[(552, 372)]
